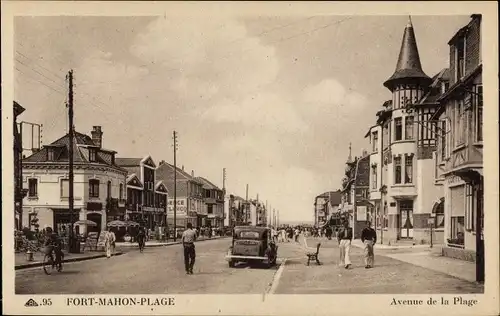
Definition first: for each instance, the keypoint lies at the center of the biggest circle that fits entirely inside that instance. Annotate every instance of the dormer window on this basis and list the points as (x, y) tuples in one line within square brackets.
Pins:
[(92, 155), (51, 154)]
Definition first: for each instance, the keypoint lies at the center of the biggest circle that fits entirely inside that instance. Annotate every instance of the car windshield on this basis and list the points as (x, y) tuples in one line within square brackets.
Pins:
[(249, 235)]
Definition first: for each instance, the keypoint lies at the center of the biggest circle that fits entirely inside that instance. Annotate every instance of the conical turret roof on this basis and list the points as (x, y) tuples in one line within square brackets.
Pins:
[(408, 66)]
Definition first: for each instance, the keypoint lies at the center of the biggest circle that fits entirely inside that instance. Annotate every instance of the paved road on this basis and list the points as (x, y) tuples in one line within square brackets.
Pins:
[(160, 270), (157, 270), (389, 276)]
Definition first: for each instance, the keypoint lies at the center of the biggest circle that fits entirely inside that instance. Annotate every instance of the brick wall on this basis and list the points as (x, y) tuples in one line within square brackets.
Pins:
[(473, 42)]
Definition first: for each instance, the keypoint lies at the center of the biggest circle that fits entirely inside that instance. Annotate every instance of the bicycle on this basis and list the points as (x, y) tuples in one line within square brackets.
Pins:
[(49, 263)]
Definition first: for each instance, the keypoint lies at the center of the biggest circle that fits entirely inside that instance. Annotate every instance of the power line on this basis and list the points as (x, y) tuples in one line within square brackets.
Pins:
[(36, 63), (41, 82)]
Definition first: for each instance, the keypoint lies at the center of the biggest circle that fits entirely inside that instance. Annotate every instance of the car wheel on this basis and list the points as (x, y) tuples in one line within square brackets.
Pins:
[(231, 264)]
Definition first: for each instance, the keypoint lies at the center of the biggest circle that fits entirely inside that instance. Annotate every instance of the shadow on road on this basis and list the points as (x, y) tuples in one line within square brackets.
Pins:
[(257, 266)]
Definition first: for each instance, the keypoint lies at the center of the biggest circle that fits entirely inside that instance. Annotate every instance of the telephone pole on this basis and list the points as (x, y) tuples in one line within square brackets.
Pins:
[(224, 197), (74, 246), (175, 186)]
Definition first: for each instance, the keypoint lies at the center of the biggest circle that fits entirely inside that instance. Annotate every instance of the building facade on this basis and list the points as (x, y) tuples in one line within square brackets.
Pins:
[(99, 184), (189, 198), (146, 195), (213, 198), (19, 193), (459, 156), (403, 187), (325, 206), (355, 204)]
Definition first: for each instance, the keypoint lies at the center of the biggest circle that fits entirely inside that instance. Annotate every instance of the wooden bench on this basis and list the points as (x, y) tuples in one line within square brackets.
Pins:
[(312, 253)]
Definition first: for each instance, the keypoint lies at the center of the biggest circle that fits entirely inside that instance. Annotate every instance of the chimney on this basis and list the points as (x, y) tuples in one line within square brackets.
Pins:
[(182, 167), (192, 173), (97, 136)]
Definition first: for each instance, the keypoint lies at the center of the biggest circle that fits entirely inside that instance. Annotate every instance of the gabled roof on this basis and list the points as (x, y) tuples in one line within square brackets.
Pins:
[(435, 91), (165, 171), (61, 152), (207, 184), (334, 197), (134, 180), (161, 187), (128, 162)]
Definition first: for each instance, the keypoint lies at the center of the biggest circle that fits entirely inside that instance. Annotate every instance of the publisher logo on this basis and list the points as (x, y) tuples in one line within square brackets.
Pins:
[(31, 303)]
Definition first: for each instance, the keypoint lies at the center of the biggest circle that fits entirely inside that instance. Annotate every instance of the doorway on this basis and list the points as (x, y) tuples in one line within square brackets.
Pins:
[(406, 223), (96, 218)]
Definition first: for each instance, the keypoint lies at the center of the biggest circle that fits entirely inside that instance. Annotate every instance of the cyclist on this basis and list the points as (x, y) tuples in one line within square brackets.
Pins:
[(53, 244), (141, 237)]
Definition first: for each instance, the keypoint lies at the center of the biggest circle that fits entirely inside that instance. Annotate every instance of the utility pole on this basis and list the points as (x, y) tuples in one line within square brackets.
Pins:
[(382, 206), (224, 197), (74, 246), (175, 186), (247, 206)]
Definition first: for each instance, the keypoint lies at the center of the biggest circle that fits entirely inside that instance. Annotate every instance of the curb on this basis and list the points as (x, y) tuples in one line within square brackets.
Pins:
[(39, 264), (127, 245)]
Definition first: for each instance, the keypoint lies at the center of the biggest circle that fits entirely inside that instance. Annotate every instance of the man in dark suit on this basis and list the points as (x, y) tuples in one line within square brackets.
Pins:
[(344, 238), (369, 238)]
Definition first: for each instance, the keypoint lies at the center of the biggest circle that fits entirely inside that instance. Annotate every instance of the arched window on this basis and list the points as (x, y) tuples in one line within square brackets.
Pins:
[(438, 211)]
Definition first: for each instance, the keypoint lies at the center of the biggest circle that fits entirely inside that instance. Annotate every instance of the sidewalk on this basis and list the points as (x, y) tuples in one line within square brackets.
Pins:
[(155, 243), (359, 244), (21, 261), (416, 272)]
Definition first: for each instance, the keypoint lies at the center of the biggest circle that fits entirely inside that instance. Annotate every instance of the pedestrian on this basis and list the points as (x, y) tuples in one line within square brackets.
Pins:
[(369, 238), (344, 239), (296, 234), (109, 242), (188, 239)]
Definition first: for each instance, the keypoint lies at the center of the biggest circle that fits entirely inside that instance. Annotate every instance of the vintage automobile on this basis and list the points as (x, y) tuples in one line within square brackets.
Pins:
[(252, 244)]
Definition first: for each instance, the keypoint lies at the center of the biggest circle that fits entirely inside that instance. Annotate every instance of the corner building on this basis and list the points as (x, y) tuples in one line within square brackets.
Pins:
[(402, 182)]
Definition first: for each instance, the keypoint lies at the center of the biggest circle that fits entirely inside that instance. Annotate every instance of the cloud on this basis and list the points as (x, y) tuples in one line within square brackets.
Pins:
[(330, 93), (215, 51), (264, 110)]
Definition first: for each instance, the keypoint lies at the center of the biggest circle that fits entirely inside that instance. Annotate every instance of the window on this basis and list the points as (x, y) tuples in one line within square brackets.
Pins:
[(439, 215), (469, 208), (64, 188), (121, 191), (92, 155), (443, 133), (94, 188), (408, 168), (385, 139), (51, 154), (397, 170), (374, 177), (460, 59), (409, 127), (460, 127), (108, 194), (478, 111), (32, 187), (374, 141), (398, 129), (457, 230)]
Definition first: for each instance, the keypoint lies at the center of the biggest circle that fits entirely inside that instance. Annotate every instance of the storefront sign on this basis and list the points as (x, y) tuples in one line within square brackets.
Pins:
[(94, 206), (361, 213)]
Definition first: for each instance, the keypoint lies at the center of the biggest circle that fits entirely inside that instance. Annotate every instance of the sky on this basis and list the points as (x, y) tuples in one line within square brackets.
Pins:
[(274, 100)]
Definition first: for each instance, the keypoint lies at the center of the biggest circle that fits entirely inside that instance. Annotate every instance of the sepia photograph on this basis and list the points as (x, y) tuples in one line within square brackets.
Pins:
[(246, 154)]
